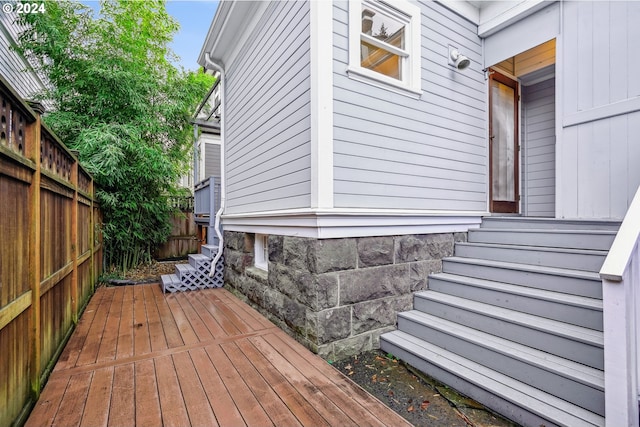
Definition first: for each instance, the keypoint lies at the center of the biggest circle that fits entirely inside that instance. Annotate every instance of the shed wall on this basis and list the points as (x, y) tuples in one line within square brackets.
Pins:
[(267, 144)]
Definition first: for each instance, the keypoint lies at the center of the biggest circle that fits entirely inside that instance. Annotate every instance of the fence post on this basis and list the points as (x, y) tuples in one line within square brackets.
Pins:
[(74, 243), (34, 253)]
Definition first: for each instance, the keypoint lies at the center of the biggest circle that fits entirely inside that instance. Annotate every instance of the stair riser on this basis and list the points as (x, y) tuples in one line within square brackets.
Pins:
[(561, 386), (196, 260), (536, 238), (580, 316), (574, 261), (551, 224), (209, 250), (566, 347), (569, 285), (517, 413)]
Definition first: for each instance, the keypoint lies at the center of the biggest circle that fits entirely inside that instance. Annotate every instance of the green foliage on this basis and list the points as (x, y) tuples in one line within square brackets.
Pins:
[(124, 106)]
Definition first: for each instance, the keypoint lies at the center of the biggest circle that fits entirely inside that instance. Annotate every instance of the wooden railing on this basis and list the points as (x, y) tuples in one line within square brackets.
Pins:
[(620, 275), (207, 201), (50, 251)]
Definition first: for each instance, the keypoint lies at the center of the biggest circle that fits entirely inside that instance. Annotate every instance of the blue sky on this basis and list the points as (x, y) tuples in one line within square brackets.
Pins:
[(195, 17)]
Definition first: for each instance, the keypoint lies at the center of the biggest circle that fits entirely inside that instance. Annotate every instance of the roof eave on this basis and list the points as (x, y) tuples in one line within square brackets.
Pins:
[(229, 20)]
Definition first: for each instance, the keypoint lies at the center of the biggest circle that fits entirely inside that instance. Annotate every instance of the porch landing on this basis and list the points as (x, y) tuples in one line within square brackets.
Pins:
[(194, 358)]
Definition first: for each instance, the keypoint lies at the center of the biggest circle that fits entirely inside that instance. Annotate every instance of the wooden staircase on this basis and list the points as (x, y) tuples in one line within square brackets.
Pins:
[(515, 320)]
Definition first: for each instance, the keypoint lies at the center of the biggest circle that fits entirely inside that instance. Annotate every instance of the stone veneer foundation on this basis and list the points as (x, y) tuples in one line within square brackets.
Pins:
[(336, 296)]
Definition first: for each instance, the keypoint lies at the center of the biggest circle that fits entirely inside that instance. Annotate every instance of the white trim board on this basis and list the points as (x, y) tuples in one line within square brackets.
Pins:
[(627, 106), (340, 225), (321, 52)]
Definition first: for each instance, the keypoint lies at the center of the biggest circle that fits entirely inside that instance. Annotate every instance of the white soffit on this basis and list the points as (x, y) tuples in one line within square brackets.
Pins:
[(540, 27), (493, 15)]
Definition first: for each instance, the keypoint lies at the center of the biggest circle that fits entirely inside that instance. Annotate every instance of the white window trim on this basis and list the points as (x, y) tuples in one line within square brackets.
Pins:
[(411, 83), (260, 254)]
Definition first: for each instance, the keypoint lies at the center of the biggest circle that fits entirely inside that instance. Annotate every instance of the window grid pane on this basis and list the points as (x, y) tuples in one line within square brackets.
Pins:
[(386, 30), (381, 60)]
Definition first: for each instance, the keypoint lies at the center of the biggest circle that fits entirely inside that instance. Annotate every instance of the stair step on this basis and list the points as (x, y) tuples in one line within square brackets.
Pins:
[(196, 259), (572, 342), (573, 239), (548, 223), (183, 270), (571, 381), (577, 310), (520, 402), (579, 259), (169, 282), (576, 282), (209, 250)]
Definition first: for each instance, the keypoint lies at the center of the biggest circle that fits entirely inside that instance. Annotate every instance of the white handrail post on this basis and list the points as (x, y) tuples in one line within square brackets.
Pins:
[(620, 356), (620, 276)]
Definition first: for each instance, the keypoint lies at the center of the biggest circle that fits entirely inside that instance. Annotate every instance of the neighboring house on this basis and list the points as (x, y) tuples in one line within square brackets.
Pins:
[(362, 140), (206, 157), (206, 149), (13, 66)]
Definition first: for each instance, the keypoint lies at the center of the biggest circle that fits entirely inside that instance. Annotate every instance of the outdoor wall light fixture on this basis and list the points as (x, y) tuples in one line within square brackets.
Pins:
[(457, 60)]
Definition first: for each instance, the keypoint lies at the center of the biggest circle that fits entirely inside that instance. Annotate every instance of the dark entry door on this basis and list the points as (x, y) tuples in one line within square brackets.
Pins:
[(503, 143)]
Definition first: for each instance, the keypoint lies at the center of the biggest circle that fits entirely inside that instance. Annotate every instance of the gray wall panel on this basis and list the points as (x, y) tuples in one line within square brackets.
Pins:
[(538, 149), (211, 159), (394, 151), (267, 153), (599, 150)]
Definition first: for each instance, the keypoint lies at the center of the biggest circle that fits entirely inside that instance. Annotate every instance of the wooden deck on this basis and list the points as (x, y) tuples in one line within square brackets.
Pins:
[(200, 358)]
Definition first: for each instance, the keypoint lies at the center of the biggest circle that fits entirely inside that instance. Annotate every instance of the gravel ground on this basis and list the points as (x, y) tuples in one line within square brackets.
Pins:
[(419, 399)]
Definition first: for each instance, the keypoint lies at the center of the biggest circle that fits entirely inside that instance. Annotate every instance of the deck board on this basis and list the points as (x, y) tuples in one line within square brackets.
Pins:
[(194, 358)]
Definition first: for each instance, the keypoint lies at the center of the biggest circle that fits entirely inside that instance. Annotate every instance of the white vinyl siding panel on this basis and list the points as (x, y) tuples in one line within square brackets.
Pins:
[(394, 151), (267, 113), (599, 150), (13, 67), (538, 145)]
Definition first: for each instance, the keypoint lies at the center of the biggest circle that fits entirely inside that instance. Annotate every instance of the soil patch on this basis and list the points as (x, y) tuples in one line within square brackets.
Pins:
[(144, 273), (421, 400)]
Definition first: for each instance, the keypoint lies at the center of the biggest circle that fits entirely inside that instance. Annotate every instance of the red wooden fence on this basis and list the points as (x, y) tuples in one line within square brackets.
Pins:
[(50, 251)]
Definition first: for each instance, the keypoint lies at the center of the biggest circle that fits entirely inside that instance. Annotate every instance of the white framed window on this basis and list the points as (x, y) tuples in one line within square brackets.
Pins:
[(384, 44), (261, 252)]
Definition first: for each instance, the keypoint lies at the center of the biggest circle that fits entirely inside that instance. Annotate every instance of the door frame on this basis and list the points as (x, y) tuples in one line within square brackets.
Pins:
[(503, 206)]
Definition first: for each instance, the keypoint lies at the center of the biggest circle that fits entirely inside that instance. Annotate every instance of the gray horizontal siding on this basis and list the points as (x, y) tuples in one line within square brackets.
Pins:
[(539, 142), (211, 159), (13, 67), (267, 140), (393, 151)]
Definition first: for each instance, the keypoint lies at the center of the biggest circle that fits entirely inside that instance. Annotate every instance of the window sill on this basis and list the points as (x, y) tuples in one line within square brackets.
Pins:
[(366, 76), (258, 274)]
